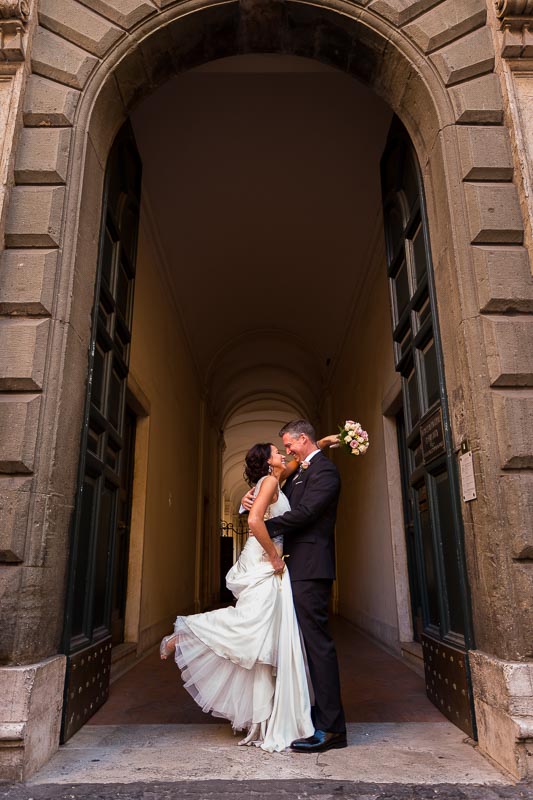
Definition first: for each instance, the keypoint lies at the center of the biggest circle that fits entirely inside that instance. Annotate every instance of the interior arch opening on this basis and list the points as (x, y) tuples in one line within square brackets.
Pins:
[(261, 188), (261, 294)]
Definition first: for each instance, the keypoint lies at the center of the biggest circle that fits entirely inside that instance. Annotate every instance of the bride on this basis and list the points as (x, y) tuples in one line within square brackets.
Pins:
[(246, 663)]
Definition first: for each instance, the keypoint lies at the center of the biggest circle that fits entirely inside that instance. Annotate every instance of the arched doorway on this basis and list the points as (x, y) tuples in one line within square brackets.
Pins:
[(430, 94), (268, 246)]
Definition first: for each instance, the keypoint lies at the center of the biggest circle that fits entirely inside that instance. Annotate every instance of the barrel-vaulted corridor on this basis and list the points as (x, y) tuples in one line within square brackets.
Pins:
[(261, 295)]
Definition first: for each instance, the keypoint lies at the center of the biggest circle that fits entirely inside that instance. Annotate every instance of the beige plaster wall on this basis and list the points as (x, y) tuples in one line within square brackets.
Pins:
[(162, 367), (363, 377)]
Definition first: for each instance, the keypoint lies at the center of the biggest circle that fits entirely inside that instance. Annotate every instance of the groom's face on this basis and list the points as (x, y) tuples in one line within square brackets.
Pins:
[(294, 445)]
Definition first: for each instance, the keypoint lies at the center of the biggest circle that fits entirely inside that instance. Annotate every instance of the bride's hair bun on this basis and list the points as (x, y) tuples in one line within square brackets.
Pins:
[(256, 462)]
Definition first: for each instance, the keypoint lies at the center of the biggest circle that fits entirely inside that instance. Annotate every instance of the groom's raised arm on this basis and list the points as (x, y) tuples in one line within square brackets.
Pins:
[(321, 490)]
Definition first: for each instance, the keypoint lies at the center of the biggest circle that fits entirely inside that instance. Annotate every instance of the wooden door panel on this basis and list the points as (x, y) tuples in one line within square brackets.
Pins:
[(91, 597), (429, 476)]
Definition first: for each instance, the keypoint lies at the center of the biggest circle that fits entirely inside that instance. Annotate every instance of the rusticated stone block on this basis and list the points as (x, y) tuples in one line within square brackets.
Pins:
[(478, 102), (34, 217), (509, 348), (514, 426), (401, 11), (14, 505), (27, 281), (22, 353), (502, 734), (485, 153), (500, 681), (504, 279), (517, 511), (62, 61), (47, 550), (19, 418), (42, 155), (10, 580), (446, 23), (32, 710), (125, 13), (469, 57), (79, 25), (494, 213), (48, 103)]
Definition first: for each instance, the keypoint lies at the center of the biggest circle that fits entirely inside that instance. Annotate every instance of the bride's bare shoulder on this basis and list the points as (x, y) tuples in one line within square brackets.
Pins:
[(268, 483), (267, 488)]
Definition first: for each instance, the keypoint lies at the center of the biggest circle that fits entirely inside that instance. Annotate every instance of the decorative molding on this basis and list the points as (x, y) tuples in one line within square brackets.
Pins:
[(14, 9), (516, 18), (514, 8), (13, 17)]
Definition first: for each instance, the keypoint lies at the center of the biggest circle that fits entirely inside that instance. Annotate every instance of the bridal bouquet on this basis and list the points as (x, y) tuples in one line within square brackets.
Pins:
[(353, 438)]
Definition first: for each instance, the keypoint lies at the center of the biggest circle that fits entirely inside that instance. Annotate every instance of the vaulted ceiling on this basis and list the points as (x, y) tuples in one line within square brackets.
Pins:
[(262, 174)]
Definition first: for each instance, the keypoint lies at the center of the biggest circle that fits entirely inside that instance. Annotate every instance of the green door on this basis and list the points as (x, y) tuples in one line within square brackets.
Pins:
[(434, 531), (96, 539)]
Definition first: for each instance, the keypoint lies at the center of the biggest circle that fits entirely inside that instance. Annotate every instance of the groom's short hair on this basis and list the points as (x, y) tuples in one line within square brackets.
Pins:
[(297, 427)]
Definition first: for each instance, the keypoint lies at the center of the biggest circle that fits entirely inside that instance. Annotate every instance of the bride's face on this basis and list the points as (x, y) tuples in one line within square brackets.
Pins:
[(276, 458)]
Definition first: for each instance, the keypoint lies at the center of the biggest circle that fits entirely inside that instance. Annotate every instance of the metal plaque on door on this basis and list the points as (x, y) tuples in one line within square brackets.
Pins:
[(432, 436)]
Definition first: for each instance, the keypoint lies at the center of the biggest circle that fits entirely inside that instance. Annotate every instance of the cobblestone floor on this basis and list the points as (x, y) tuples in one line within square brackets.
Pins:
[(265, 790)]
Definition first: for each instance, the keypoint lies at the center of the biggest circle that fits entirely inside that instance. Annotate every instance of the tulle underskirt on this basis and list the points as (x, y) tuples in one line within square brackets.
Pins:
[(220, 686)]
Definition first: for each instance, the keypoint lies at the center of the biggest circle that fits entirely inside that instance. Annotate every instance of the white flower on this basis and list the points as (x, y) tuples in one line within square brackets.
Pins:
[(348, 438)]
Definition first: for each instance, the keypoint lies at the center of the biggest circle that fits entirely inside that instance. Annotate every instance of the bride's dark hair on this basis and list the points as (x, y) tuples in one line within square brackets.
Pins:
[(256, 462)]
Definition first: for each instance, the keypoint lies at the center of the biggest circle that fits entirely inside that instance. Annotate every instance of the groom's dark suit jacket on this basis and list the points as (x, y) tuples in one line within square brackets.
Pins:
[(309, 527)]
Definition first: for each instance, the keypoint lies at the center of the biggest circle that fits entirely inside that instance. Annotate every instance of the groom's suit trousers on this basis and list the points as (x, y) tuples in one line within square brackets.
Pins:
[(311, 598)]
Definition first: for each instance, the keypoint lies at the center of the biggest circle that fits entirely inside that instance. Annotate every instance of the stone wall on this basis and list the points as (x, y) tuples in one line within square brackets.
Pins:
[(373, 592), (161, 366)]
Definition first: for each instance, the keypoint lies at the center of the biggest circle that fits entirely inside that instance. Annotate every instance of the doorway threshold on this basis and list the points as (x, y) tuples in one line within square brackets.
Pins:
[(394, 753)]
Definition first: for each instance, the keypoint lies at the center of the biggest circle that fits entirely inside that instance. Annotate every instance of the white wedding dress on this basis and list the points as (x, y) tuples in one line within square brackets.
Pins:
[(246, 663)]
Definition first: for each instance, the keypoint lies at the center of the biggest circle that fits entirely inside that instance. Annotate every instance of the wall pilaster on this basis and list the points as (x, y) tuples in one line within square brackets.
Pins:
[(14, 25)]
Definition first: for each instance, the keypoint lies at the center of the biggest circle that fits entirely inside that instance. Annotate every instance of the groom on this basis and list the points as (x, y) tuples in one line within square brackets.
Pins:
[(308, 530)]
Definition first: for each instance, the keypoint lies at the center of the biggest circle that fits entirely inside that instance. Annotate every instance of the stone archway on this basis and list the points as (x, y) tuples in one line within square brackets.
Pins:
[(434, 65)]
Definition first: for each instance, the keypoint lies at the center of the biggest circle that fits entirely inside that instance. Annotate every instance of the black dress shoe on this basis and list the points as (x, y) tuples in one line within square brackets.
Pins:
[(319, 742)]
